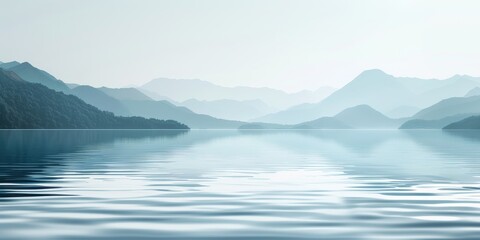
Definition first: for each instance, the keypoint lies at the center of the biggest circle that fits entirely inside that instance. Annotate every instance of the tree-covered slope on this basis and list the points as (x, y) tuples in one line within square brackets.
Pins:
[(32, 74), (472, 122), (30, 106)]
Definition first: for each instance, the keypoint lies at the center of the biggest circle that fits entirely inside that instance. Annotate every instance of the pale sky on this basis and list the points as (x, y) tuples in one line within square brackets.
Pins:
[(288, 45)]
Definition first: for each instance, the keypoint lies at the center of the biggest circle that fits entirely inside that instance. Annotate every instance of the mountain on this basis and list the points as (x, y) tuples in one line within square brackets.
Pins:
[(444, 113), (450, 107), (472, 122), (381, 91), (100, 100), (365, 117), (432, 124), (184, 89), (27, 105), (359, 117), (32, 74), (473, 92), (166, 110), (229, 109), (8, 65), (125, 94), (72, 85), (322, 123), (155, 96)]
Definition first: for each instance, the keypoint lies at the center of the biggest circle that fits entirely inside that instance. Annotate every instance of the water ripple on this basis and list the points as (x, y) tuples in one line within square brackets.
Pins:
[(227, 184)]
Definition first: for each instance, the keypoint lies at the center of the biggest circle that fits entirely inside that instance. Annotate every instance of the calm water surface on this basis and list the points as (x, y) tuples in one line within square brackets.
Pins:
[(239, 184)]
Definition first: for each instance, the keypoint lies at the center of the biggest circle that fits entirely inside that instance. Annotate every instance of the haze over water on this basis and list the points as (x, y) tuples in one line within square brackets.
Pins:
[(331, 184)]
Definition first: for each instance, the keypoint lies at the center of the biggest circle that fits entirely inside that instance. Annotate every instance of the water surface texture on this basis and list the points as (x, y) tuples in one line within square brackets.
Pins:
[(239, 184)]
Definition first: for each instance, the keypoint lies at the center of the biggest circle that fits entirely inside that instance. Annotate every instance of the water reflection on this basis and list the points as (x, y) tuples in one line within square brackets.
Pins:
[(240, 184), (26, 154), (471, 135)]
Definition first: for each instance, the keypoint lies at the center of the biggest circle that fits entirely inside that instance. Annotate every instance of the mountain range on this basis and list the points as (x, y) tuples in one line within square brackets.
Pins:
[(181, 90), (381, 91), (358, 117), (444, 113), (373, 100)]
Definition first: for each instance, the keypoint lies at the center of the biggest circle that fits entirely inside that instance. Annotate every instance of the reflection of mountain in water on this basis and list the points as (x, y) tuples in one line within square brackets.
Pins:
[(25, 153), (362, 142), (390, 153), (30, 160), (469, 135), (452, 143)]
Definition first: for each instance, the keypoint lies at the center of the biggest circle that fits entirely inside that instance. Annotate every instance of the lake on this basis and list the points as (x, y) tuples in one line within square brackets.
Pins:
[(219, 184)]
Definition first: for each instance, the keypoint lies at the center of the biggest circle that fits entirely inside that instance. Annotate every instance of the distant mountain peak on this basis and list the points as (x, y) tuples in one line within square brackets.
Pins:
[(460, 76), (12, 62), (364, 116), (83, 87), (373, 73), (8, 65), (473, 92), (27, 64), (363, 109), (372, 76), (30, 73), (23, 65)]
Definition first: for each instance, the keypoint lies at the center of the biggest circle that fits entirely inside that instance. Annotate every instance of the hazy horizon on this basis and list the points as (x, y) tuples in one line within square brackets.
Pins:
[(286, 45)]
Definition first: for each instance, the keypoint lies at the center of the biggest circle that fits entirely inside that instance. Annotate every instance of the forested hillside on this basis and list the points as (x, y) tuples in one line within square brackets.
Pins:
[(25, 105)]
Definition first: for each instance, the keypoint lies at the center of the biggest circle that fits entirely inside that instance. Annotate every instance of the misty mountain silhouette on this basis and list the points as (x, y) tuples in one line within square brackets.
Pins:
[(444, 113), (365, 117), (360, 117), (99, 99), (125, 94), (381, 91), (474, 92), (450, 107), (359, 104), (184, 89)]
